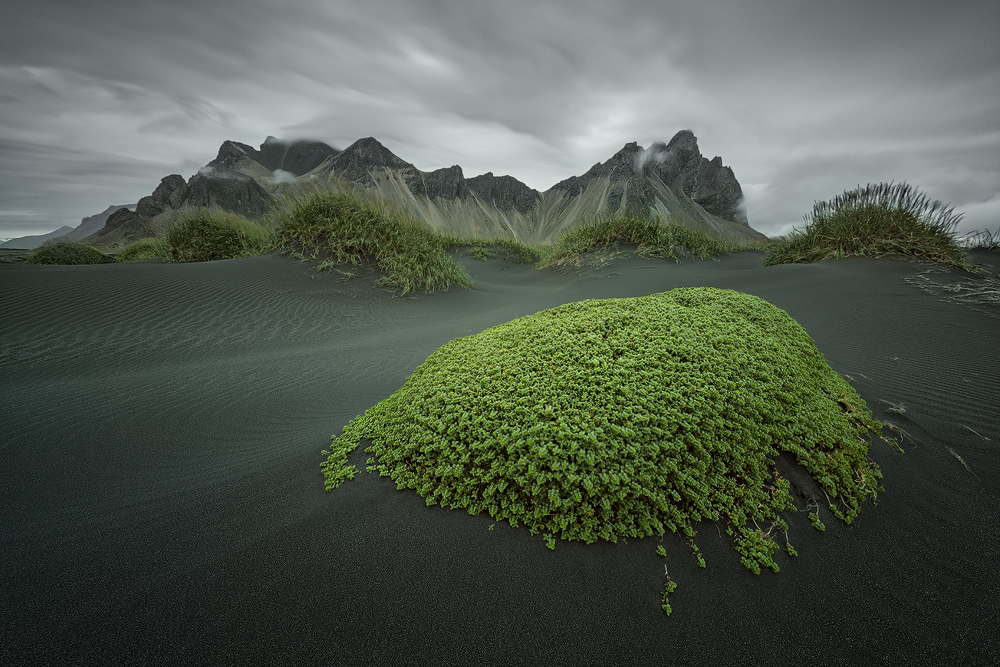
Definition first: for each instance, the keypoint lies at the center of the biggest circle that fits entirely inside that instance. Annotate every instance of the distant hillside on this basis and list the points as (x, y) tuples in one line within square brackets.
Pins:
[(31, 242), (94, 223), (87, 226)]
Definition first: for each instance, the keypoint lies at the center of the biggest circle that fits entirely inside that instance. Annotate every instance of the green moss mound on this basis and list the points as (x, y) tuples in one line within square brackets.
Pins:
[(625, 418)]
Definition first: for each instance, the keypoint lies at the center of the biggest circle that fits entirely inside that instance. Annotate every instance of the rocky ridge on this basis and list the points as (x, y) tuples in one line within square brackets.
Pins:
[(671, 181)]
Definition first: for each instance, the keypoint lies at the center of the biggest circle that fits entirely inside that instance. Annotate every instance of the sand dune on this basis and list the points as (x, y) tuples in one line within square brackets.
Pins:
[(163, 501)]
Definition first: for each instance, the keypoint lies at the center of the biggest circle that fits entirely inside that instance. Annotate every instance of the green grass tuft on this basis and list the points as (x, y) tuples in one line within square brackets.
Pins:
[(479, 252), (348, 230), (64, 251), (148, 248), (617, 418), (982, 240), (653, 237), (875, 221), (201, 235), (521, 252)]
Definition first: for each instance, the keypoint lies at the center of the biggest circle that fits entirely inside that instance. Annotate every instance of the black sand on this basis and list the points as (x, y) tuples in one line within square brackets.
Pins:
[(162, 501)]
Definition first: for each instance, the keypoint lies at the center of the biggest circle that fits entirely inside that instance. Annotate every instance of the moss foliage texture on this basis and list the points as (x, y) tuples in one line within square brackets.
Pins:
[(625, 418)]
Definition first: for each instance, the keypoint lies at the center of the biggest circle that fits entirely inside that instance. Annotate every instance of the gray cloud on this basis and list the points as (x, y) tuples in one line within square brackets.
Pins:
[(101, 99)]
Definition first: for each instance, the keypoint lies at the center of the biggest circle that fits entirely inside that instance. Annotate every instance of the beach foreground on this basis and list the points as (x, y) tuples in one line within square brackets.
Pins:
[(163, 501)]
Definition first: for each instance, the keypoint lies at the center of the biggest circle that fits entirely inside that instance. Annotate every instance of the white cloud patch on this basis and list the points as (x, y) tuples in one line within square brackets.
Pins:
[(282, 176)]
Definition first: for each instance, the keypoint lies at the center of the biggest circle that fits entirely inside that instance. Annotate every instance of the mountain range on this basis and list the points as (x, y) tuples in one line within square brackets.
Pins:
[(670, 181)]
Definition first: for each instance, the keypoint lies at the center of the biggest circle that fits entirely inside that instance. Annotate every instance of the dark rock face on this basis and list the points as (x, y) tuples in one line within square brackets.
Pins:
[(447, 182), (678, 164), (121, 219), (506, 192), (356, 162), (681, 166), (230, 191), (629, 192), (679, 158), (621, 167), (359, 161), (231, 155), (718, 191), (122, 227), (94, 223), (171, 193), (297, 157)]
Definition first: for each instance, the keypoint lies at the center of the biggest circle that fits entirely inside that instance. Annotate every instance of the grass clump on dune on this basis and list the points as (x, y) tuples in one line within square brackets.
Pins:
[(205, 234), (653, 237), (349, 230), (485, 248), (982, 240), (155, 247), (65, 251), (523, 253), (626, 418), (875, 221)]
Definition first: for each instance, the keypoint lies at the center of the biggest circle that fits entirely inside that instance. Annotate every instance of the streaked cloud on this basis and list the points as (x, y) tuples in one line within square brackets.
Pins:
[(802, 100)]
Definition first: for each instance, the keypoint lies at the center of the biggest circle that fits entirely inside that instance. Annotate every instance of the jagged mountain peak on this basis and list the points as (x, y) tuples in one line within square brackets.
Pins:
[(232, 155), (373, 151), (295, 157), (683, 139), (356, 162)]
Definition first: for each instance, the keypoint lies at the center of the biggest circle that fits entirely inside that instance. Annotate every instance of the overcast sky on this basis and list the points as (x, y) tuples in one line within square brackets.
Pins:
[(803, 99)]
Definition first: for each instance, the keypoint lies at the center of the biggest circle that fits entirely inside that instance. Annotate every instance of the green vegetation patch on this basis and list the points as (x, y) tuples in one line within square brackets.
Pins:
[(981, 240), (515, 250), (349, 231), (479, 252), (654, 238), (147, 248), (875, 221), (64, 251), (205, 234), (616, 418), (504, 248)]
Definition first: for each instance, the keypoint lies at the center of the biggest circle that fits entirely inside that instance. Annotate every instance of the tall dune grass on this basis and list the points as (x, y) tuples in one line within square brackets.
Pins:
[(981, 240), (154, 247), (343, 223), (205, 234), (654, 238), (66, 252), (875, 221), (342, 229)]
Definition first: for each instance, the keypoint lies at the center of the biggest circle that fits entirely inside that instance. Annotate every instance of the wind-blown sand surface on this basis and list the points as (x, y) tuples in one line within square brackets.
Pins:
[(162, 500)]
